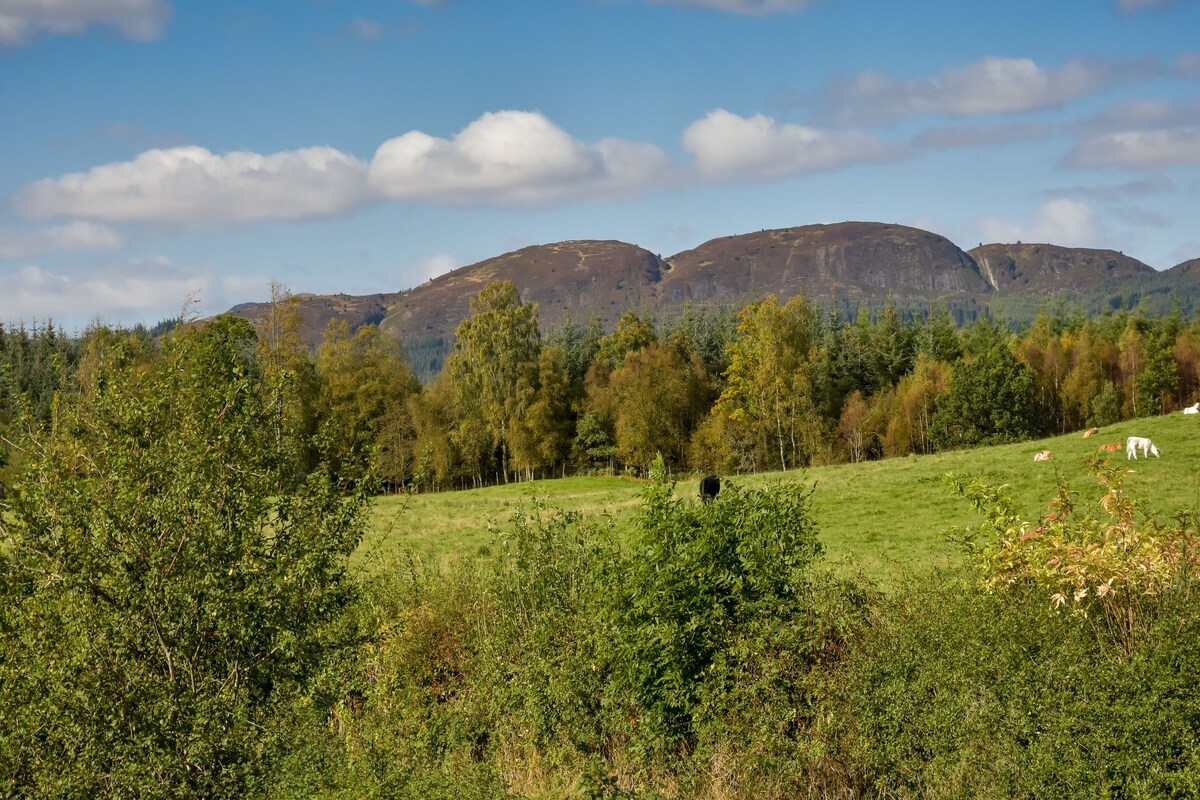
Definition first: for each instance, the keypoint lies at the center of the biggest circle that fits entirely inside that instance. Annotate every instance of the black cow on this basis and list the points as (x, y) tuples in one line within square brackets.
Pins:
[(710, 486)]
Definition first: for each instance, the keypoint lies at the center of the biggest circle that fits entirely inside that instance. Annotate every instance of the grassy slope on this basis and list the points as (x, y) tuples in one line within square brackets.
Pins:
[(882, 517)]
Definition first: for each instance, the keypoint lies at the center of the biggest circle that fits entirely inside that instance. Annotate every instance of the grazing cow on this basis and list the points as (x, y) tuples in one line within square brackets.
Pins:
[(1135, 443), (710, 486), (1090, 432), (1044, 455), (1194, 408), (1111, 448)]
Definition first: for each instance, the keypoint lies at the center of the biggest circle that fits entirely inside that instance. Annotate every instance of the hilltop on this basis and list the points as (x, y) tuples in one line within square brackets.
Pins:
[(846, 266)]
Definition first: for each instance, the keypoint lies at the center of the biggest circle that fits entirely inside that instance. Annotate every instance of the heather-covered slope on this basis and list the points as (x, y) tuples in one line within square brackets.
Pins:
[(849, 261), (577, 279)]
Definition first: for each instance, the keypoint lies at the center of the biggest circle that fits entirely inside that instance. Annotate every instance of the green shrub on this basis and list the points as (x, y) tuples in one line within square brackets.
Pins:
[(170, 582), (699, 578), (542, 657), (960, 693)]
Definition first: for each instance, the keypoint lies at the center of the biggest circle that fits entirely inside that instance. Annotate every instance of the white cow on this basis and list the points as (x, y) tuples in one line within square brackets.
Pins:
[(1135, 443), (1192, 409)]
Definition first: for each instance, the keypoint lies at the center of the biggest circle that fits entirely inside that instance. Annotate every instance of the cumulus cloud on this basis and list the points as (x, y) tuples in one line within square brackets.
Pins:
[(506, 158), (20, 244), (991, 85), (512, 157), (746, 7), (727, 146), (113, 291), (193, 186), (1065, 222), (981, 136), (1138, 149), (23, 20)]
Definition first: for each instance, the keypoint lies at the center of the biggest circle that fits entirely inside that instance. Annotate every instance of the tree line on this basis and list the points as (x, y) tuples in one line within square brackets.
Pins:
[(772, 386)]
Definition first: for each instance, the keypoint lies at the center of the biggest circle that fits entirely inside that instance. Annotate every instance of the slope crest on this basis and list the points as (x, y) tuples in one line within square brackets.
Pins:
[(852, 261)]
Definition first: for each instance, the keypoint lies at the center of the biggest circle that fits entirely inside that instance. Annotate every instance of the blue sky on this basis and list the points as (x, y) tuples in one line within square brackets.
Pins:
[(161, 152)]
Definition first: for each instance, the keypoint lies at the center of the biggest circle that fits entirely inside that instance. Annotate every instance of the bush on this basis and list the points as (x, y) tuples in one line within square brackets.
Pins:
[(170, 581), (960, 693), (701, 577), (1113, 570)]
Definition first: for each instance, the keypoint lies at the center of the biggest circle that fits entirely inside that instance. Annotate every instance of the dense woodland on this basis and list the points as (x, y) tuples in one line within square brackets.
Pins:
[(178, 617), (770, 387)]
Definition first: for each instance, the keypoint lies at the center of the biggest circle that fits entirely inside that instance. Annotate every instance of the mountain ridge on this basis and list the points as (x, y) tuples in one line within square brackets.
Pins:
[(844, 265)]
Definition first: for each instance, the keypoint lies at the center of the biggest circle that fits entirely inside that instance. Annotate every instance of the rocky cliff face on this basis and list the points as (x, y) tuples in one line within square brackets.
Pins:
[(850, 260), (582, 278), (1050, 268)]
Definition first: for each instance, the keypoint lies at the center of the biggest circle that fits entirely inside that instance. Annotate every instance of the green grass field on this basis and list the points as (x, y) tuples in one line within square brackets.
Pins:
[(881, 518)]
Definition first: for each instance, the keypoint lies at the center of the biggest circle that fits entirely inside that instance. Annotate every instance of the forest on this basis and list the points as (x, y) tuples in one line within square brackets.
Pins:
[(179, 616), (770, 387)]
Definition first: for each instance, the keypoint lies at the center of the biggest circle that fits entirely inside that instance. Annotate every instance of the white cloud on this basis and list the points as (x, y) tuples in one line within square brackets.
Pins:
[(362, 29), (746, 7), (1138, 5), (229, 290), (1149, 185), (1065, 222), (435, 266), (1142, 114), (1185, 252), (192, 186), (1142, 217), (1139, 149), (1188, 65), (989, 86), (727, 146), (20, 244), (22, 20), (512, 157), (114, 291), (981, 136), (367, 29)]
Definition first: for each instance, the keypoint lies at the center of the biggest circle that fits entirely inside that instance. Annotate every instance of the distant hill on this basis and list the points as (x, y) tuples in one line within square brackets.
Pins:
[(851, 261), (317, 309), (846, 265), (577, 279)]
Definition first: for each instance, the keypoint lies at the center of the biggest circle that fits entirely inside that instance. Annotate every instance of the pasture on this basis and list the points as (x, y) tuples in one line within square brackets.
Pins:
[(880, 518)]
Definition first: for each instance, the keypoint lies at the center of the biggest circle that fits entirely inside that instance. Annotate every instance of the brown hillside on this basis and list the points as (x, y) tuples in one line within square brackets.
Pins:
[(1051, 268), (1189, 269), (844, 264), (852, 261), (317, 309), (579, 278)]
